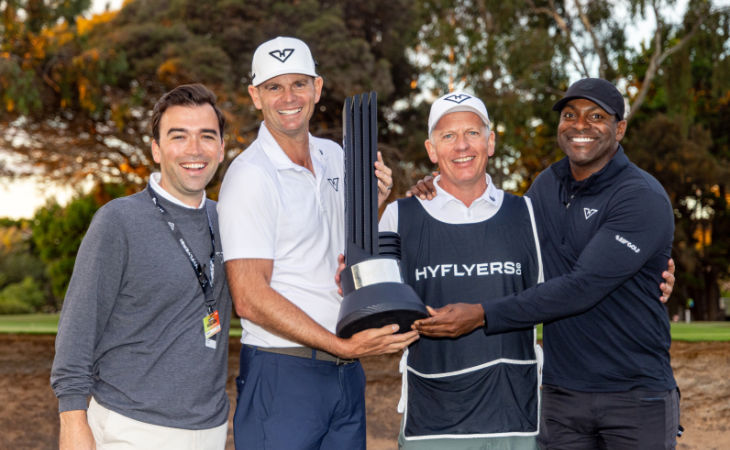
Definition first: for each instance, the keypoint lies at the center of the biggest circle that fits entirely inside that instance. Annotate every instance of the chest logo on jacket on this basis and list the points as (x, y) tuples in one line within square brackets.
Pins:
[(588, 212), (335, 183)]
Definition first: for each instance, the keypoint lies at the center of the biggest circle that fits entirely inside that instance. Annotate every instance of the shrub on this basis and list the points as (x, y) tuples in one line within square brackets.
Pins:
[(21, 298)]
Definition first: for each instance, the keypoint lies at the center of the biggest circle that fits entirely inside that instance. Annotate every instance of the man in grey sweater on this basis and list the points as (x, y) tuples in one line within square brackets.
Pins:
[(144, 325)]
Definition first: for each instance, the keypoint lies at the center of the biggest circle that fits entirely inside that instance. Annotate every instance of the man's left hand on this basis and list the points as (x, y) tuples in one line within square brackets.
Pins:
[(668, 285), (451, 320), (385, 179)]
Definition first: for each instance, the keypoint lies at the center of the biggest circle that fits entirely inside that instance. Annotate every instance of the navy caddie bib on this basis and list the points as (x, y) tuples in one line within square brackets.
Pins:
[(476, 385)]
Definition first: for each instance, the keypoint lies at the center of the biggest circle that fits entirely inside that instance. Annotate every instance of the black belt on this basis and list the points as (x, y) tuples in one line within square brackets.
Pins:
[(304, 352)]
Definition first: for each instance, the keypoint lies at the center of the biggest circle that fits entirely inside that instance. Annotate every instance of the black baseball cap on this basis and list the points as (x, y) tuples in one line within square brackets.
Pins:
[(597, 90)]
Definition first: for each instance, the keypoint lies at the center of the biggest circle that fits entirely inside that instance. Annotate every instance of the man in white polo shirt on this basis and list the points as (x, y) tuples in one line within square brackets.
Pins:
[(281, 210)]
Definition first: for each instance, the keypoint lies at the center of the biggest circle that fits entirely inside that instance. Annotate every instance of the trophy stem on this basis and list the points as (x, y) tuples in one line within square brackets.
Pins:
[(375, 294)]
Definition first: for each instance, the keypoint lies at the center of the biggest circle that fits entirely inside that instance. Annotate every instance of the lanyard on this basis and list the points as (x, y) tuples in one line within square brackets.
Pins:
[(205, 283)]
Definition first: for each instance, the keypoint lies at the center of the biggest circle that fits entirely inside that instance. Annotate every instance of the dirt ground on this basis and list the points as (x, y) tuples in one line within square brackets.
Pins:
[(28, 418)]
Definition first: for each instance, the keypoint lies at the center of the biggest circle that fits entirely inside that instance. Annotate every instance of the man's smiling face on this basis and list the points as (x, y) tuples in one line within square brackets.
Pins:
[(461, 145), (589, 136), (189, 151), (287, 102)]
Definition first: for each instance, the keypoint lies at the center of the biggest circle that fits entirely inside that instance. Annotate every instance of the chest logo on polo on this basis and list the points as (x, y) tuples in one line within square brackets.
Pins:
[(588, 212), (457, 98), (335, 183), (282, 55)]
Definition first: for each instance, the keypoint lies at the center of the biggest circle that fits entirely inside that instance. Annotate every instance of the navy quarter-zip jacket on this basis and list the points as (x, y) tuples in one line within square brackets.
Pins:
[(605, 242)]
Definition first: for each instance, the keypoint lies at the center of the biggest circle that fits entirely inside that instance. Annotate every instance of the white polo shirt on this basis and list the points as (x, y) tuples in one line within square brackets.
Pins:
[(448, 209), (271, 208)]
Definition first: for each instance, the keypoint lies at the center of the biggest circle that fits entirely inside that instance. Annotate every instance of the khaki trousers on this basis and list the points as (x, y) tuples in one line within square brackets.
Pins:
[(113, 431)]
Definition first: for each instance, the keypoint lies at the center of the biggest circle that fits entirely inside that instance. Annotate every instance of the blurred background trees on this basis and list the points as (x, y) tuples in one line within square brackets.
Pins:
[(77, 92)]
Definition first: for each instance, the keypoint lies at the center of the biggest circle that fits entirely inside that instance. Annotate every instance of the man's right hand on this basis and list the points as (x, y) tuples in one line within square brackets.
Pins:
[(75, 433), (338, 276), (375, 341), (424, 188), (451, 321)]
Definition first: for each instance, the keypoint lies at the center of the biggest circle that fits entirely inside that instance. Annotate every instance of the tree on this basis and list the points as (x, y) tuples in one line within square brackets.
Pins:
[(520, 55), (682, 139), (22, 278), (77, 93), (82, 107), (21, 298), (58, 231), (86, 98)]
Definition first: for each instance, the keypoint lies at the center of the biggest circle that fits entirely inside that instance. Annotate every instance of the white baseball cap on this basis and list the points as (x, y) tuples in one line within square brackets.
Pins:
[(280, 56), (455, 102)]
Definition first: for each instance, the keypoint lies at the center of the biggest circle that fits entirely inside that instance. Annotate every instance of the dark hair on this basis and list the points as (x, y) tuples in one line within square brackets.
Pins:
[(185, 95)]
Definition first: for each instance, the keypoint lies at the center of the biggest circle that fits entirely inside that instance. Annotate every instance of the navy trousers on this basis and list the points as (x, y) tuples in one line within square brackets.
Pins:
[(293, 403)]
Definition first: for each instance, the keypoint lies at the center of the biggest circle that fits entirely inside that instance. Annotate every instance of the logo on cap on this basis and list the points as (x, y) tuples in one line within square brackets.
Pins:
[(282, 55), (457, 98)]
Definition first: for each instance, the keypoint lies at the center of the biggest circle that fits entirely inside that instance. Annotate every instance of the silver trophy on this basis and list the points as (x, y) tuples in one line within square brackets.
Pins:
[(374, 292)]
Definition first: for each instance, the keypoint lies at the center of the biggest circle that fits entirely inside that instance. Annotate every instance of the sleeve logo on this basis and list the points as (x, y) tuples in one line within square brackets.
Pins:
[(628, 243)]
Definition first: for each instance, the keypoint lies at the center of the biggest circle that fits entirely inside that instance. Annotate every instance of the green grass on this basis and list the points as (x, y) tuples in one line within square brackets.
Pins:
[(29, 323), (47, 324), (691, 332), (701, 331)]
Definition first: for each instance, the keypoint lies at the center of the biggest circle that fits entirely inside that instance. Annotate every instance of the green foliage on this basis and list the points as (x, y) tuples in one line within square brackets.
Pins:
[(19, 95), (509, 56), (91, 83), (21, 298), (680, 136), (58, 231), (22, 277), (17, 264)]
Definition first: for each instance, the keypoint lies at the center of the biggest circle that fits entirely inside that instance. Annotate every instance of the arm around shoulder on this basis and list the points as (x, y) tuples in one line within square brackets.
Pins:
[(638, 228)]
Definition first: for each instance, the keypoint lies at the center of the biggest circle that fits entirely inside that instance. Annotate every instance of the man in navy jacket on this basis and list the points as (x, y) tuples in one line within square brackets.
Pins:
[(606, 231)]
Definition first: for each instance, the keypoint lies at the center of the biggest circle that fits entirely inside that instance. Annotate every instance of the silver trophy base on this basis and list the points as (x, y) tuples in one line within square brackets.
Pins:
[(375, 296)]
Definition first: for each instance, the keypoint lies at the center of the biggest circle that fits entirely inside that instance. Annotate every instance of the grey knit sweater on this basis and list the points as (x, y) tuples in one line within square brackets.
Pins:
[(131, 328)]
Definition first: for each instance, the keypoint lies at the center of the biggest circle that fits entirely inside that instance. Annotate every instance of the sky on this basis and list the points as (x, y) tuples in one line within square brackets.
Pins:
[(99, 5), (21, 198)]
